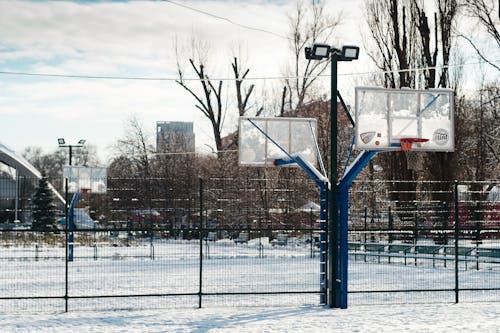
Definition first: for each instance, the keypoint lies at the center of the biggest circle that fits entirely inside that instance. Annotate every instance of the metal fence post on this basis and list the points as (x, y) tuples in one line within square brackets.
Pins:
[(152, 251), (200, 285), (390, 226), (366, 229), (311, 232), (457, 218), (66, 245)]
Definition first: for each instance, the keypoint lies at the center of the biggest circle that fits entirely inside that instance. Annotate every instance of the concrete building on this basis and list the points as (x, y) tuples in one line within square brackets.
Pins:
[(174, 136)]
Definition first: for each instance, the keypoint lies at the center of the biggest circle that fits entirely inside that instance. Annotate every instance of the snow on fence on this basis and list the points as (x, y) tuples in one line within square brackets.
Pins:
[(407, 244), (156, 272)]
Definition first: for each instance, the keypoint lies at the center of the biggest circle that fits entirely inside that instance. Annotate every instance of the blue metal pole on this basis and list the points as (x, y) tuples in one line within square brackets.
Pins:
[(322, 242), (341, 265), (341, 291), (71, 226)]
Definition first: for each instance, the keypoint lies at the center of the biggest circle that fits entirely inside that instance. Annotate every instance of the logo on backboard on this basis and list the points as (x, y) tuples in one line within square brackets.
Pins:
[(441, 136), (367, 136)]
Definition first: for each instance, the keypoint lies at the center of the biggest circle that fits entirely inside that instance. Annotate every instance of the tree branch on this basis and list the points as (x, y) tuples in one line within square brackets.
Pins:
[(478, 51)]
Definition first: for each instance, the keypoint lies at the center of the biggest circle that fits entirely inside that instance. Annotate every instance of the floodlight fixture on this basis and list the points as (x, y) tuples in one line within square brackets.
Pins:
[(317, 52), (321, 51), (62, 144), (350, 52)]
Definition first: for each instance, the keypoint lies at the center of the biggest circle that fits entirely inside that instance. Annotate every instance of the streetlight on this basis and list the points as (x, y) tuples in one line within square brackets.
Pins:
[(68, 227), (322, 51), (62, 144), (346, 53)]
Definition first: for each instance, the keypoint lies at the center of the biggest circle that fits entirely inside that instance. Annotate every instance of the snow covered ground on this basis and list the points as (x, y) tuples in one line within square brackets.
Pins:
[(470, 318), (235, 268)]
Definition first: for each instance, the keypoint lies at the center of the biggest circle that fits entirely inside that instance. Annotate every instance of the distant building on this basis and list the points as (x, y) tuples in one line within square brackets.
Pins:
[(174, 136), (18, 181)]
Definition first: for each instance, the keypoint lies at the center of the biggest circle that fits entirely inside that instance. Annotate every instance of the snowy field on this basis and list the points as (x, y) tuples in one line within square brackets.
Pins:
[(470, 318), (172, 267)]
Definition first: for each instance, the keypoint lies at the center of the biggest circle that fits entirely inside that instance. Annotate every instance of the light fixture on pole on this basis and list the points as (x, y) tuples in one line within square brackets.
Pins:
[(323, 51), (62, 144), (337, 235), (69, 226)]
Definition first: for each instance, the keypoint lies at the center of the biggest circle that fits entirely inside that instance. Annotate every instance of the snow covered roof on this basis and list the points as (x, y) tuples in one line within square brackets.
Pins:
[(16, 161)]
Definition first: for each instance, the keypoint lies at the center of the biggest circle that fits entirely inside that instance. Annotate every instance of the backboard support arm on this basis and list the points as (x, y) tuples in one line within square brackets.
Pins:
[(323, 183), (344, 106), (270, 139), (342, 197)]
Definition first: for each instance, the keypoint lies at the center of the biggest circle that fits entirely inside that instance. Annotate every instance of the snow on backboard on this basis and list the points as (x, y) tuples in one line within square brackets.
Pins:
[(80, 178), (295, 135), (384, 116)]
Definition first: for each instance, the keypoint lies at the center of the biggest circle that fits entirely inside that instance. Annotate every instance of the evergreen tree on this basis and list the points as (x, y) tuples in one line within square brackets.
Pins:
[(44, 209)]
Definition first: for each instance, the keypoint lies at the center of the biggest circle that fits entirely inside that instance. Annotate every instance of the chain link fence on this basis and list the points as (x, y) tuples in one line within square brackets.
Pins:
[(246, 242)]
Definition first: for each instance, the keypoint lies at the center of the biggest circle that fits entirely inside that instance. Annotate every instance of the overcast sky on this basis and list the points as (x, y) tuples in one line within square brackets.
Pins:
[(134, 39)]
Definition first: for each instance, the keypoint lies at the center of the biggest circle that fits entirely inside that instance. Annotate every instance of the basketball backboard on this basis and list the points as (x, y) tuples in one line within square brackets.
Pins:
[(386, 116), (295, 135), (85, 179)]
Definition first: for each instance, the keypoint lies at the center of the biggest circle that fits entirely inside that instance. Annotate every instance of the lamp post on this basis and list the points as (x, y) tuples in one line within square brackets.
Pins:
[(62, 144), (68, 227), (347, 53)]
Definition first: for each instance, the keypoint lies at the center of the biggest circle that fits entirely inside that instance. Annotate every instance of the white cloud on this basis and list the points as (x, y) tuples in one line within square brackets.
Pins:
[(123, 39), (133, 39), (130, 34)]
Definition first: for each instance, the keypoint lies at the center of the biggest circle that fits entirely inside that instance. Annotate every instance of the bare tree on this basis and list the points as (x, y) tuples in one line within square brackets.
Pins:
[(121, 167), (443, 24), (209, 94), (86, 156), (483, 12), (136, 146), (403, 38), (209, 101), (308, 24), (50, 165), (393, 36), (242, 95), (440, 165), (480, 145)]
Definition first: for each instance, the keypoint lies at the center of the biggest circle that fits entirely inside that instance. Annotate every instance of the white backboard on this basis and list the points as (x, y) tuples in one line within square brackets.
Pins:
[(295, 135), (384, 116), (80, 178)]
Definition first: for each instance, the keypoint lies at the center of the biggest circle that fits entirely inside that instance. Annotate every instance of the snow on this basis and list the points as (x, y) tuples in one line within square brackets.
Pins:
[(227, 267), (480, 317), (413, 113)]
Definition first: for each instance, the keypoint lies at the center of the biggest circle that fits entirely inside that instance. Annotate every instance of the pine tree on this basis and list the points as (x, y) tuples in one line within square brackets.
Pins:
[(44, 209)]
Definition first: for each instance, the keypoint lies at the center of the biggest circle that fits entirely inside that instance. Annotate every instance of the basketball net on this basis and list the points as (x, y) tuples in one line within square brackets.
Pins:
[(414, 159)]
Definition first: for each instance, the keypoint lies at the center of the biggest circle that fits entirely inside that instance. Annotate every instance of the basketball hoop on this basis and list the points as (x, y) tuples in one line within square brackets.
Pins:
[(85, 190), (407, 143), (413, 158)]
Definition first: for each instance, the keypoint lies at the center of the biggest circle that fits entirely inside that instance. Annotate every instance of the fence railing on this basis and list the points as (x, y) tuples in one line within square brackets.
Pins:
[(256, 244), (125, 268)]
